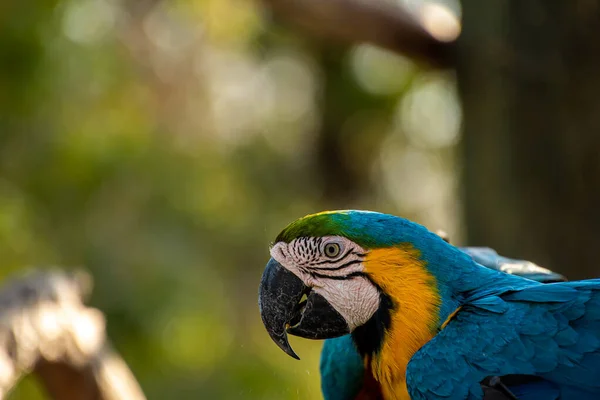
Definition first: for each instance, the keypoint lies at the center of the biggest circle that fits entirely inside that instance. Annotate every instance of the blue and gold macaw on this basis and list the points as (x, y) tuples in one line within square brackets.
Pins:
[(427, 320)]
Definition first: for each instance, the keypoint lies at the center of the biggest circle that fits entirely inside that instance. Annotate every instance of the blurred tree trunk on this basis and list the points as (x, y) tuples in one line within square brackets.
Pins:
[(344, 154), (529, 76)]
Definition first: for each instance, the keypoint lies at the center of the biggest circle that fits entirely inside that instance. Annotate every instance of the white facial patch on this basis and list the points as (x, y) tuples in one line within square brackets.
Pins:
[(355, 299), (337, 276)]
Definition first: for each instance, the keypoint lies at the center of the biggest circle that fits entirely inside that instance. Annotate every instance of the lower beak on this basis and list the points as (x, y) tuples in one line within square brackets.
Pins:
[(282, 311)]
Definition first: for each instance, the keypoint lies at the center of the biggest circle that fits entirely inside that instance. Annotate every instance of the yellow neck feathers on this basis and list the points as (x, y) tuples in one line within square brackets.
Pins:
[(401, 274)]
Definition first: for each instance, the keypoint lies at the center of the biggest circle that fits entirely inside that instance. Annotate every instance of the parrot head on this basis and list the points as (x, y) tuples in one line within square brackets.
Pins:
[(341, 272)]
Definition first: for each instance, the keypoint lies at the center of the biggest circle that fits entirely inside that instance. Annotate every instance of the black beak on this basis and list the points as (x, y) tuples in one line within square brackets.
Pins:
[(282, 311)]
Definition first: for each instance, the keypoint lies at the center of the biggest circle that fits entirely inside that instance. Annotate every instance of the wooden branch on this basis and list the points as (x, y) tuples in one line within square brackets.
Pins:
[(374, 21), (46, 329)]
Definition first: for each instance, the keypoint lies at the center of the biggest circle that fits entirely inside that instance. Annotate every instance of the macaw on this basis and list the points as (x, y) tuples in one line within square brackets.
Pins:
[(343, 376), (428, 321)]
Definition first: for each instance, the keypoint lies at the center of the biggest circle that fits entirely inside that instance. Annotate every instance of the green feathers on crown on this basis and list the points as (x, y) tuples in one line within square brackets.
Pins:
[(315, 225)]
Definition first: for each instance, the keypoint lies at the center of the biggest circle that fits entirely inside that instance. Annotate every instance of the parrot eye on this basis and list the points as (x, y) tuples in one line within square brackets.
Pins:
[(332, 250)]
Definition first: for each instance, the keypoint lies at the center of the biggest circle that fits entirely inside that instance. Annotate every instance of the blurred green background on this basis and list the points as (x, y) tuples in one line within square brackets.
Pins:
[(164, 144)]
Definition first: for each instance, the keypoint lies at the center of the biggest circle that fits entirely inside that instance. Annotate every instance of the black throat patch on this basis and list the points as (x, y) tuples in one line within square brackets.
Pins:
[(369, 337)]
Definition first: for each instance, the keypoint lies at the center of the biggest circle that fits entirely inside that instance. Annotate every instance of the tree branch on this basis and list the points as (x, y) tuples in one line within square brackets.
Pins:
[(377, 22), (45, 328)]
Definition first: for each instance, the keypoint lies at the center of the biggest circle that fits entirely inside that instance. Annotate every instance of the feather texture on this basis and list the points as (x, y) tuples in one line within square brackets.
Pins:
[(544, 331), (342, 369)]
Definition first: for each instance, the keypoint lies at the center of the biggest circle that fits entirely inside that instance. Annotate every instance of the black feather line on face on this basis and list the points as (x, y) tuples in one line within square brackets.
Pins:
[(369, 337), (349, 263), (337, 278)]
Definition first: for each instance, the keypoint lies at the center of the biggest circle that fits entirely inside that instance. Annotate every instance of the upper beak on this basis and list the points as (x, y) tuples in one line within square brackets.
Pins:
[(282, 311)]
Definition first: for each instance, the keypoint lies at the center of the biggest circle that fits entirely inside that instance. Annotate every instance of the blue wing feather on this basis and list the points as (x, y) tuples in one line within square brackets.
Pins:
[(551, 331)]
